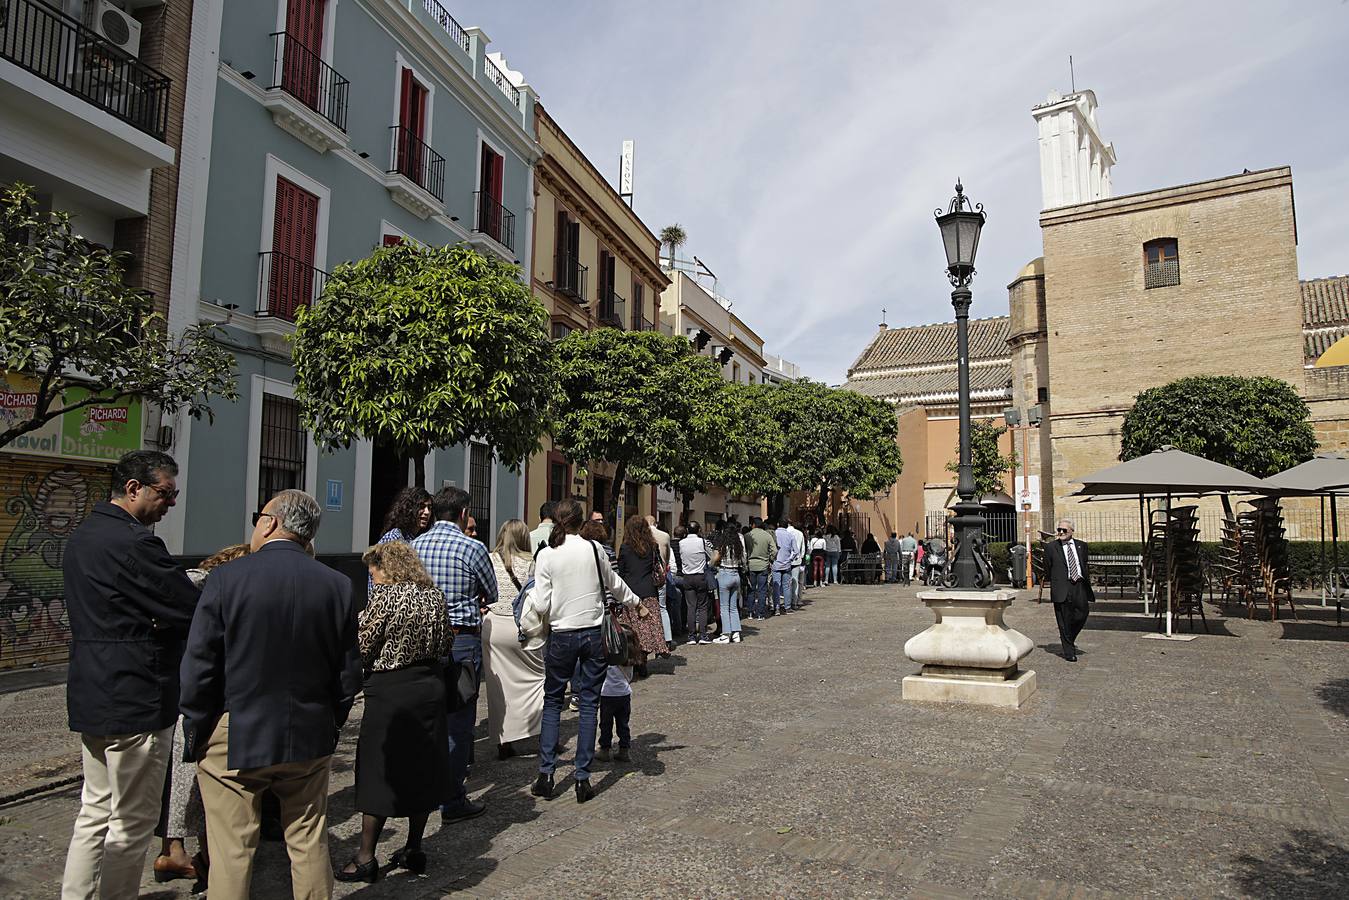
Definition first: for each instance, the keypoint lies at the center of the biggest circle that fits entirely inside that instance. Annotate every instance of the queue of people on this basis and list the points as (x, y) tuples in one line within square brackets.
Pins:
[(212, 699)]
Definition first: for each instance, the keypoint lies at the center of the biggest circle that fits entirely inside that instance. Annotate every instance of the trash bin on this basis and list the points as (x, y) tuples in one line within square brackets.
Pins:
[(1018, 554)]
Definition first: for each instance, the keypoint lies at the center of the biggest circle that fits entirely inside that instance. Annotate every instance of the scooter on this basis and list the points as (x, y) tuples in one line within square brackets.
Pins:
[(934, 562)]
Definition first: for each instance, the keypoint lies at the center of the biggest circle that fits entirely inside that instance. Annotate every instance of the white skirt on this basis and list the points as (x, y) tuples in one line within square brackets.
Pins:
[(513, 677)]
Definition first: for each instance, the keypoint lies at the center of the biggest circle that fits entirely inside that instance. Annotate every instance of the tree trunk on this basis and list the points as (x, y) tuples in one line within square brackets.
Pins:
[(821, 504), (615, 496), (686, 500), (776, 504), (419, 455)]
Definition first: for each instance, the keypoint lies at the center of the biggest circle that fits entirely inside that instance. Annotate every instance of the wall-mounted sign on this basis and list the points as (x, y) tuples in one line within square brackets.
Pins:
[(99, 431), (334, 499)]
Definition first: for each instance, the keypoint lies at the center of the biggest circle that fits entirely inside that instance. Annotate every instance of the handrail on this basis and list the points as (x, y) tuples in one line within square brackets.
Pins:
[(447, 22), (415, 160), (494, 220), (304, 75), (498, 77), (62, 51), (285, 284)]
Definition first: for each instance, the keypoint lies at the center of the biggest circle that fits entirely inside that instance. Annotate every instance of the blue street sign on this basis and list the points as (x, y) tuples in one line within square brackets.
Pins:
[(334, 494)]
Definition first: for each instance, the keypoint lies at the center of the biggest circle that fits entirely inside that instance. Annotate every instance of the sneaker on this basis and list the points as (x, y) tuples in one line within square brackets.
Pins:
[(574, 705), (735, 637), (723, 639)]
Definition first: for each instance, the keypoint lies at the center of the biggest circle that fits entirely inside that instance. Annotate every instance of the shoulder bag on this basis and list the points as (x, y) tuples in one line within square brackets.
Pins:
[(615, 645)]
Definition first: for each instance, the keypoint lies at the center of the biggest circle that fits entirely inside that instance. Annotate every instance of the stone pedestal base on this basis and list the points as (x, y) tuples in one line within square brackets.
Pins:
[(941, 689), (969, 655)]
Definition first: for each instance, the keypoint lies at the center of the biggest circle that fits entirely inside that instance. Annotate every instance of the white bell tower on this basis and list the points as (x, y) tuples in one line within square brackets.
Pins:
[(1075, 160)]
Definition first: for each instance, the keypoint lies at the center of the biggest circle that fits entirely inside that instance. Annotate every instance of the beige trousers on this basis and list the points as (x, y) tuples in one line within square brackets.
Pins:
[(233, 802), (123, 791)]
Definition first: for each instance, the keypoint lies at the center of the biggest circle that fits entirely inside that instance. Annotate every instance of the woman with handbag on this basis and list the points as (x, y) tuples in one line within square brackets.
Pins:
[(640, 568), (513, 672), (402, 756), (573, 583)]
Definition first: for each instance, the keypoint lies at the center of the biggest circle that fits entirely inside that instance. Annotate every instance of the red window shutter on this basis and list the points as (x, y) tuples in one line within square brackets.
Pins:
[(392, 240), (304, 23), (294, 237)]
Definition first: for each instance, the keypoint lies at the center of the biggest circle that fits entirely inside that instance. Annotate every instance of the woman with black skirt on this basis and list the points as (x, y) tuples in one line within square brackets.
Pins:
[(402, 757)]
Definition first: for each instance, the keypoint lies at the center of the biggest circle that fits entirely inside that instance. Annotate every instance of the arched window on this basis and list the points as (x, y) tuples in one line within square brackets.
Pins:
[(1161, 263)]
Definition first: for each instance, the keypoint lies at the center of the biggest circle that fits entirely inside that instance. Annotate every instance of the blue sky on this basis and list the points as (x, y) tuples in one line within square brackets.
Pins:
[(804, 145)]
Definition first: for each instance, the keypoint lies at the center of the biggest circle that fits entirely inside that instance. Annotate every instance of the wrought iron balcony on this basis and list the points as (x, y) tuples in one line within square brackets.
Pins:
[(447, 22), (494, 220), (1161, 273), (63, 52), (285, 284), (611, 309), (303, 74), (417, 162), (570, 276), (498, 77), (641, 322)]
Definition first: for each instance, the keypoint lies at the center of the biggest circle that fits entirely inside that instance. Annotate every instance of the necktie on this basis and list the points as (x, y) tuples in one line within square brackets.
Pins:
[(1074, 574)]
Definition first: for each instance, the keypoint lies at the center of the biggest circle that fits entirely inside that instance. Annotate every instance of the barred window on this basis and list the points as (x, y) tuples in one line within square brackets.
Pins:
[(284, 444), (1161, 263), (480, 489)]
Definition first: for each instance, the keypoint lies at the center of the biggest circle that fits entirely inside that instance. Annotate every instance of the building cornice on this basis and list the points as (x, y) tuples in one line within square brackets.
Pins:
[(1232, 185), (554, 177)]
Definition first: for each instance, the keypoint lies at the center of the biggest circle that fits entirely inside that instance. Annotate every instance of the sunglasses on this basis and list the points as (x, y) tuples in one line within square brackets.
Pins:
[(163, 491), (257, 517), (1063, 531)]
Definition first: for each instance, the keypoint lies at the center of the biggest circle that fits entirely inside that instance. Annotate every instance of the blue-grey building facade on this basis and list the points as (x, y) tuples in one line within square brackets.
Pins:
[(328, 128)]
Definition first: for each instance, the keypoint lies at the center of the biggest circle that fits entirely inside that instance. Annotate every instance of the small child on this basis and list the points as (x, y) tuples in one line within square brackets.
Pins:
[(616, 702)]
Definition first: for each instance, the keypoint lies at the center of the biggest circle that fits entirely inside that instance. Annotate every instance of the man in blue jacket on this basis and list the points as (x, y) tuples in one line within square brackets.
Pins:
[(270, 674), (130, 606)]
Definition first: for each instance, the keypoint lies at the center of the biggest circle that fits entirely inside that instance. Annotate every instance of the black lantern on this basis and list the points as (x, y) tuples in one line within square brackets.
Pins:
[(960, 226)]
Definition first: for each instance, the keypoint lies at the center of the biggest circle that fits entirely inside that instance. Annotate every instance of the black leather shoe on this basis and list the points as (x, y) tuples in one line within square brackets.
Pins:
[(1070, 656), (367, 872), (584, 791), (505, 751), (469, 809), (543, 786), (412, 860)]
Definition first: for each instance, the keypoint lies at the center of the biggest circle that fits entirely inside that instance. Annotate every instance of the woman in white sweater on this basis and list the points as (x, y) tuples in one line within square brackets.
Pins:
[(568, 575)]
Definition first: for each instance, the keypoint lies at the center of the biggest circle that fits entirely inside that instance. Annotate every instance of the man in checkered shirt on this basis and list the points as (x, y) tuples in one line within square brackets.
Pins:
[(460, 567)]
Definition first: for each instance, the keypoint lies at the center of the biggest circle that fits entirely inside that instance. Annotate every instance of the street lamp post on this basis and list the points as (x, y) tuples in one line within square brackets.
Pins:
[(960, 226)]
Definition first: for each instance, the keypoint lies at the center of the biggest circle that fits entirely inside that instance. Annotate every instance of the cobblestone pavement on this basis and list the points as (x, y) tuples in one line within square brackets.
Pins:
[(788, 766)]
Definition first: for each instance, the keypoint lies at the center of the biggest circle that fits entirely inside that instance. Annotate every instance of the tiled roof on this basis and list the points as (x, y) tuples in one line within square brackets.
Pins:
[(1325, 314), (939, 385), (933, 344)]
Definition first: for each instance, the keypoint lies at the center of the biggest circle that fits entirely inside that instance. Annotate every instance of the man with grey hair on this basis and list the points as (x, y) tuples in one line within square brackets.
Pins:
[(1069, 575), (270, 674)]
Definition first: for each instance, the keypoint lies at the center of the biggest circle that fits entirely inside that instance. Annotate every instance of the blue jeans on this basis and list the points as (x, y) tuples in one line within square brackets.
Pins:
[(782, 588), (831, 566), (758, 593), (664, 613), (460, 722), (728, 586), (674, 603), (565, 651)]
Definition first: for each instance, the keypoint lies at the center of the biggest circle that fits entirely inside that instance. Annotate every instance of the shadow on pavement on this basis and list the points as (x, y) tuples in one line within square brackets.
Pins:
[(1334, 696), (646, 751), (1310, 631), (1180, 625), (1309, 865)]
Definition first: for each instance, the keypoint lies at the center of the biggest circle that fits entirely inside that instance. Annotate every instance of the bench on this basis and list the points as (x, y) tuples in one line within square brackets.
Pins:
[(1121, 569)]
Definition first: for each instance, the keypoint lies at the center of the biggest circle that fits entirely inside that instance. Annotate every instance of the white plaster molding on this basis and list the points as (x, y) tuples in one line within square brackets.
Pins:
[(260, 385), (411, 196), (297, 119)]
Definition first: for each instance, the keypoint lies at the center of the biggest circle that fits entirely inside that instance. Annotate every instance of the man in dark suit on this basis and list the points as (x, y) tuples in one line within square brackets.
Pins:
[(270, 674), (1068, 568), (130, 606)]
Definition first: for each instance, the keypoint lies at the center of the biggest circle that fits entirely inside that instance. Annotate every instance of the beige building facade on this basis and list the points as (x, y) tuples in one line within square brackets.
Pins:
[(595, 264)]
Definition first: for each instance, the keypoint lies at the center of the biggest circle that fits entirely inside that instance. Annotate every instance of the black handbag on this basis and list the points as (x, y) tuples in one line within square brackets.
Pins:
[(461, 685), (615, 644)]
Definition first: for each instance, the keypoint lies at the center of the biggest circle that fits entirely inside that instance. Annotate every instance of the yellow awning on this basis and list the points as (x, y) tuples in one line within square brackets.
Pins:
[(1336, 355)]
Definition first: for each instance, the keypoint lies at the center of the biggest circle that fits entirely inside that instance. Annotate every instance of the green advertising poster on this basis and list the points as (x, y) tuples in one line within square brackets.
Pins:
[(100, 431)]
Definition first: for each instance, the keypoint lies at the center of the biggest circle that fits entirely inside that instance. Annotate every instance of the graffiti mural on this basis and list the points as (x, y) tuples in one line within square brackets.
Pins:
[(43, 502)]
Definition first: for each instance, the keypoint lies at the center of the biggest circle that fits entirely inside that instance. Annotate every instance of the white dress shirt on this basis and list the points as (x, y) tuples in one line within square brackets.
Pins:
[(1070, 546), (800, 555), (567, 588)]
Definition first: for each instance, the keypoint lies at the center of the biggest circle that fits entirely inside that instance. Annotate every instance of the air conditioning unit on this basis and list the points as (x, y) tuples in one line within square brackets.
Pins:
[(116, 27)]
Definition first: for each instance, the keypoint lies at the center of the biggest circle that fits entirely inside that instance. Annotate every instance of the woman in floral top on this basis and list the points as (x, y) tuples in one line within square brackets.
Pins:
[(402, 758)]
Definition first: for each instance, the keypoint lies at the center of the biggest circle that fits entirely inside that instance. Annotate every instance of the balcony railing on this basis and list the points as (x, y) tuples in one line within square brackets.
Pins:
[(570, 276), (666, 328), (1161, 273), (498, 77), (494, 220), (416, 161), (446, 21), (304, 75), (611, 309), (642, 323), (285, 284), (61, 51)]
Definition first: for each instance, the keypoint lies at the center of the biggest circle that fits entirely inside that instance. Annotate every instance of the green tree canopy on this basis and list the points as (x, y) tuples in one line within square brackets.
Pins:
[(68, 320), (1257, 424), (422, 347), (642, 401), (985, 455), (749, 453), (834, 438)]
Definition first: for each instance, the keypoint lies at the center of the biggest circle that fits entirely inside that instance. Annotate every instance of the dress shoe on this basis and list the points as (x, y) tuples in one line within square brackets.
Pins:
[(469, 809), (543, 786), (621, 755), (168, 870), (1070, 656), (367, 872), (412, 860), (602, 754), (584, 791), (505, 751)]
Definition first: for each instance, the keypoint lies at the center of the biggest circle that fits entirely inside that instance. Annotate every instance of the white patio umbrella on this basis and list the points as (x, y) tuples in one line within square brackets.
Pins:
[(1168, 472)]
